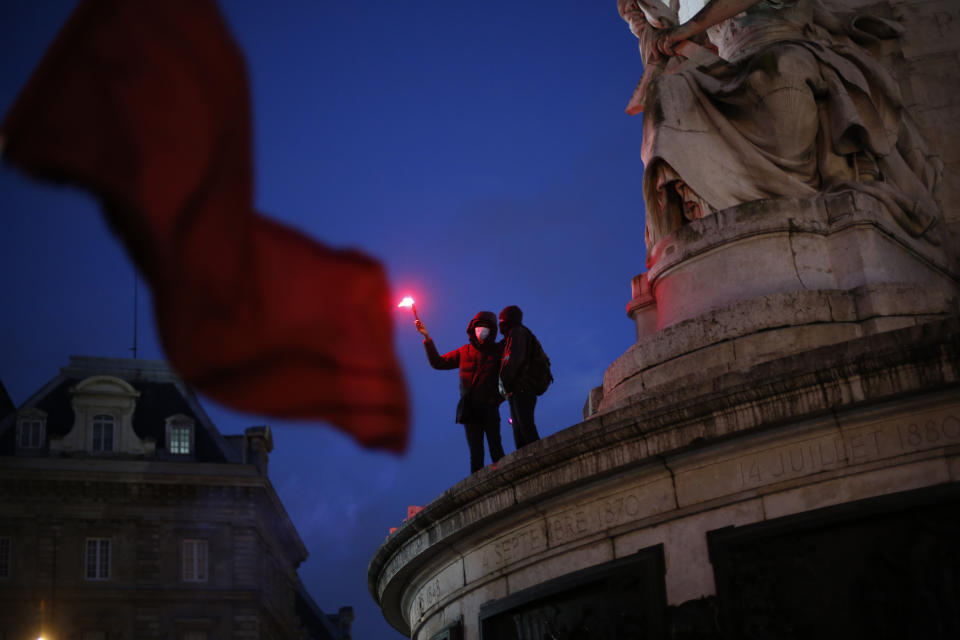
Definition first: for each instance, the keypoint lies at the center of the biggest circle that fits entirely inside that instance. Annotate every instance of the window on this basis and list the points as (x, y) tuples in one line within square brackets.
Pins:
[(97, 561), (30, 432), (103, 432), (194, 560), (179, 438), (5, 549), (180, 432)]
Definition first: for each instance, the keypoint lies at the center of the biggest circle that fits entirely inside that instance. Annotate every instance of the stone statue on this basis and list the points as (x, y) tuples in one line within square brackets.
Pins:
[(792, 106)]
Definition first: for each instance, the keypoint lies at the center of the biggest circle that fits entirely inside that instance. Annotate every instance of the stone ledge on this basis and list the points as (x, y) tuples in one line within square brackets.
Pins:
[(823, 216), (744, 326), (707, 412)]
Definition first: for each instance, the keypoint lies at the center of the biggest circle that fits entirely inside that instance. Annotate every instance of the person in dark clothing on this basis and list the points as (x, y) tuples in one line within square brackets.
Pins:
[(517, 349), (479, 364)]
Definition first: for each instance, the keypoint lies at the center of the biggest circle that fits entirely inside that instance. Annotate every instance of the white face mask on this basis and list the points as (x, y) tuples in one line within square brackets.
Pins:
[(482, 333)]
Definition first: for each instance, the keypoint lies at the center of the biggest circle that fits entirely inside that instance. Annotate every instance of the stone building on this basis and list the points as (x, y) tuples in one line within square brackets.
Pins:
[(776, 456), (125, 513)]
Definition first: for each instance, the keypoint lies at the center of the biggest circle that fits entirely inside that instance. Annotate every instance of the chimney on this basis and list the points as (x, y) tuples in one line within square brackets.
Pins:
[(259, 446), (345, 620)]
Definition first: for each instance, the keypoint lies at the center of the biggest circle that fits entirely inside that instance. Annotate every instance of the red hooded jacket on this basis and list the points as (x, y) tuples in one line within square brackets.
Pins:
[(479, 363)]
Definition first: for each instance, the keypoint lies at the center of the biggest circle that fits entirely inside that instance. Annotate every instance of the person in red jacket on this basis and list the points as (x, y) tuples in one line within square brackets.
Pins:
[(517, 350), (479, 364)]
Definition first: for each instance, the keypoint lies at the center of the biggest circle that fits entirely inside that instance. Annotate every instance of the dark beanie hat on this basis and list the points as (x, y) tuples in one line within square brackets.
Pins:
[(511, 316)]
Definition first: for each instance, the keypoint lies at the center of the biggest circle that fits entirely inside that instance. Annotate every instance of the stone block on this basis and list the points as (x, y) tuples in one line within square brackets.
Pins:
[(736, 270), (879, 325), (899, 300), (763, 460), (476, 598), (426, 597), (859, 486), (864, 255), (689, 573), (592, 404), (580, 558), (644, 498), (936, 120), (514, 546), (628, 453), (712, 358), (807, 252), (429, 627), (931, 27), (932, 81), (775, 343)]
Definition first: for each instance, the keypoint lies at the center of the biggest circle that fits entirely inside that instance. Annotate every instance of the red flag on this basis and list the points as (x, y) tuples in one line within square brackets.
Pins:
[(146, 104)]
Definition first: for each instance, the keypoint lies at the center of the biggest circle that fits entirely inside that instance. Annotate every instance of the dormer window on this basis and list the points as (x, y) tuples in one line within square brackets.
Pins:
[(180, 435), (31, 434), (31, 429), (103, 427)]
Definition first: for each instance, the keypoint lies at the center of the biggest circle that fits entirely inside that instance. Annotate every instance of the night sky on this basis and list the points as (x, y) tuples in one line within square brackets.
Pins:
[(478, 149)]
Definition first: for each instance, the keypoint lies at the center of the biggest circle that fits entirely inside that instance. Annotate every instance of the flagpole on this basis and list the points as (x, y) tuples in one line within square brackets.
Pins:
[(135, 288)]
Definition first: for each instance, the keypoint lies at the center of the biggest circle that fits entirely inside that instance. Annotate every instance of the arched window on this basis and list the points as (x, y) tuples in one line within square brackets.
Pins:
[(103, 426)]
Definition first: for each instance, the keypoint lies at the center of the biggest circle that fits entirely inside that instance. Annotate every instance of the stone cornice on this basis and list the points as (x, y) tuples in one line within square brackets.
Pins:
[(119, 470)]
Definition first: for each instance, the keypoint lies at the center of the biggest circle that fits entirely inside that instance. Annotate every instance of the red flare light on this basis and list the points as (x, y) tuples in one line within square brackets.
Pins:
[(410, 304)]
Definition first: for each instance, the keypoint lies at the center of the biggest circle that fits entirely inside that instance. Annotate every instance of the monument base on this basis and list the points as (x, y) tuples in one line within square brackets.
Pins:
[(769, 279), (811, 496)]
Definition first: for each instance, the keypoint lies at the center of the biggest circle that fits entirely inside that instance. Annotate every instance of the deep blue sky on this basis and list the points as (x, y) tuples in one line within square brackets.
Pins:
[(479, 149)]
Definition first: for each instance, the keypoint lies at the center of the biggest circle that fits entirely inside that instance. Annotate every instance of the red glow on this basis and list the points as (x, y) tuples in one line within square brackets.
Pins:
[(406, 302)]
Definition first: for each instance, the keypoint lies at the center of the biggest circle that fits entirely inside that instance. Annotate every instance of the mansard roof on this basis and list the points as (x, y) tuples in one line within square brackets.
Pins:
[(162, 394)]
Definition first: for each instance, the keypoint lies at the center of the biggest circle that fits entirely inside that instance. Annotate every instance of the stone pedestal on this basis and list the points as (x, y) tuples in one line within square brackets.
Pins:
[(716, 506), (793, 399), (771, 278)]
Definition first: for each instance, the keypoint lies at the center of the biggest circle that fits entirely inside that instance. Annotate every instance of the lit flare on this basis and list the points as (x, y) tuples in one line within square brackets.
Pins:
[(408, 302)]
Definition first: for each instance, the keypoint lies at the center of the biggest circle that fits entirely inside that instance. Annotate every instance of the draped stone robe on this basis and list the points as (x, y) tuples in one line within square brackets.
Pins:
[(799, 109)]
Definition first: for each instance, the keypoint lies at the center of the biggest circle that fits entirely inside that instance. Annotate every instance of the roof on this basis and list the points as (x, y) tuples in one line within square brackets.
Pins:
[(162, 394), (6, 404)]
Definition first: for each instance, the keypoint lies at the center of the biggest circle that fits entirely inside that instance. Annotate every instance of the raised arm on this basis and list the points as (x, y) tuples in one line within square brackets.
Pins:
[(446, 361), (714, 12)]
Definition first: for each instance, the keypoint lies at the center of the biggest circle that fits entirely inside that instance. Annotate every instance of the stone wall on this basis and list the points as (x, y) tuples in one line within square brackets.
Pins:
[(49, 507)]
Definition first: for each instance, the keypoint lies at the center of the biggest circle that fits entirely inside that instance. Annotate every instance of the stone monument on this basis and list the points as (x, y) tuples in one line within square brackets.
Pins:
[(789, 192), (776, 456)]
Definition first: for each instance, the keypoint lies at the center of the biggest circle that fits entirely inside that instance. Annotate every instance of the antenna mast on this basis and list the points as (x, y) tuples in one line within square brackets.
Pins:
[(136, 280)]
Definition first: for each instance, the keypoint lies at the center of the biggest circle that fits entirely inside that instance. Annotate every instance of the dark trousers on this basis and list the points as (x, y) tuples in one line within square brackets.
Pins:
[(487, 422), (522, 404)]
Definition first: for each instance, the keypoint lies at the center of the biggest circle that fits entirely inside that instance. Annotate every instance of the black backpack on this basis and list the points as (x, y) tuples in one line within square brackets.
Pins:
[(538, 369)]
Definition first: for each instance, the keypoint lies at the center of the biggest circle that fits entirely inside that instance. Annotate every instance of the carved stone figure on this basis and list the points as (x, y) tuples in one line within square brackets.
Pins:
[(793, 106)]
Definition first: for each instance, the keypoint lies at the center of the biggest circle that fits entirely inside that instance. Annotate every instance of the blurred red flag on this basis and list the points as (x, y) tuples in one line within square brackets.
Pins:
[(146, 104)]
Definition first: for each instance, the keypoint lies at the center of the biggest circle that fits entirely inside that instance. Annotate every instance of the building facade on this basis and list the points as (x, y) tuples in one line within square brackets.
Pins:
[(125, 513)]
